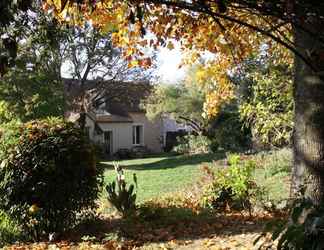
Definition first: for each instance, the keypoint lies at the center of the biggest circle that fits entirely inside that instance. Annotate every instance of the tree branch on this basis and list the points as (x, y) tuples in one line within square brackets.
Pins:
[(197, 127), (188, 5)]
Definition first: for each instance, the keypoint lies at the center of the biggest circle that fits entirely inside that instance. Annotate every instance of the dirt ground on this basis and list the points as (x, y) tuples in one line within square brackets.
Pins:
[(224, 232)]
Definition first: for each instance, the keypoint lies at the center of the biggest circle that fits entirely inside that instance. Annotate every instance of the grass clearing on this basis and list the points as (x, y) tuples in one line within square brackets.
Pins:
[(158, 176), (274, 172), (167, 174)]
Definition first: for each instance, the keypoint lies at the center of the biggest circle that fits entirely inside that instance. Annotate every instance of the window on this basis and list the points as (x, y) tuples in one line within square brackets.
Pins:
[(138, 134)]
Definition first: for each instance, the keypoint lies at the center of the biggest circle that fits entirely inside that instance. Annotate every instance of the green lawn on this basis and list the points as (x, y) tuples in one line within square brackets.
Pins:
[(161, 175), (275, 172), (158, 176)]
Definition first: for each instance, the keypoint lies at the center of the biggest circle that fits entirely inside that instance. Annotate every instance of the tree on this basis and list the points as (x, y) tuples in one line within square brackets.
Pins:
[(31, 87), (181, 102), (32, 95), (225, 27), (8, 45), (185, 103), (221, 26), (265, 98), (98, 69)]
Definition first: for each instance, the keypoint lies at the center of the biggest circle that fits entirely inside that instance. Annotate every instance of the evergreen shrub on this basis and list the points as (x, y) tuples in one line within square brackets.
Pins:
[(48, 175)]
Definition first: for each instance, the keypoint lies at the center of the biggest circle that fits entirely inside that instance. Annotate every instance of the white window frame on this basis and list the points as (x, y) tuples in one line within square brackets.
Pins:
[(141, 141)]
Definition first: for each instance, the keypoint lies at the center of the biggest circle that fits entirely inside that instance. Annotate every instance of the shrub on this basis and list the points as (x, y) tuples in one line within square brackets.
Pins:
[(182, 146), (232, 187), (47, 176), (123, 153), (277, 161), (193, 144), (227, 131), (273, 175), (140, 151), (122, 198)]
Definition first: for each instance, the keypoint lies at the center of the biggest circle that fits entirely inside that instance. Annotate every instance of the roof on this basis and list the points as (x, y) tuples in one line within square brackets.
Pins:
[(113, 118), (121, 98)]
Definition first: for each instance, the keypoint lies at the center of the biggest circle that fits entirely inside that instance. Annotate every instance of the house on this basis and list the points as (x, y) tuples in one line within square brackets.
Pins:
[(117, 121)]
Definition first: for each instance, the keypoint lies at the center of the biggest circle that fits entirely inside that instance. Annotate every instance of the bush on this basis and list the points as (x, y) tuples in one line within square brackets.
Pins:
[(193, 144), (273, 175), (47, 176), (123, 153), (122, 198), (140, 151), (134, 152), (227, 131), (232, 186), (276, 161)]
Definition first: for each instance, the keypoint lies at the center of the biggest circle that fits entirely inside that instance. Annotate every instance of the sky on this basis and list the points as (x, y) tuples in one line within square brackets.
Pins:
[(168, 62)]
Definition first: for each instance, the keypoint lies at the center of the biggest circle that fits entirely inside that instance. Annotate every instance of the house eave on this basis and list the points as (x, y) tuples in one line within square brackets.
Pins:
[(99, 122)]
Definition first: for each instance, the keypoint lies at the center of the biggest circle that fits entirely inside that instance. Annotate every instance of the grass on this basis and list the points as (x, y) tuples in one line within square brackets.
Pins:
[(163, 175), (9, 230), (274, 173), (159, 176)]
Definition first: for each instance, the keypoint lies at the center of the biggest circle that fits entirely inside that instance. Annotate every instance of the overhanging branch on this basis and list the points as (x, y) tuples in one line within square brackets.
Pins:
[(203, 10)]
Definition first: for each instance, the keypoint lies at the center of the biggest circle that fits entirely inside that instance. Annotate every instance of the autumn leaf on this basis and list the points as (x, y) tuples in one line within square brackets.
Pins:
[(133, 63), (231, 42), (170, 45), (146, 63)]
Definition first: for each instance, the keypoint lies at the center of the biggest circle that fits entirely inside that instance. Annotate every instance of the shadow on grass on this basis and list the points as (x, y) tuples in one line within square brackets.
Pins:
[(170, 162), (169, 223)]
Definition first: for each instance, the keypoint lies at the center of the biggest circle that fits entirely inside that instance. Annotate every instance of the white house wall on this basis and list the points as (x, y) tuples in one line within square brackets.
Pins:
[(152, 130), (90, 125), (123, 132)]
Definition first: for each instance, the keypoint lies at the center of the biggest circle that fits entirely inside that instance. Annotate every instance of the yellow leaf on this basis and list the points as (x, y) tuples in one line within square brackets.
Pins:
[(170, 45), (133, 63)]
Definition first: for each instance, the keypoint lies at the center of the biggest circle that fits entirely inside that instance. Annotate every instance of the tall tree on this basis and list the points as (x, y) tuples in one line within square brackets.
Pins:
[(225, 27), (8, 42), (31, 87), (265, 98), (98, 70), (46, 50)]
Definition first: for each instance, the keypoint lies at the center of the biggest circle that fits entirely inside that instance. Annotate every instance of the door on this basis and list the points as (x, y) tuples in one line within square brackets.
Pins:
[(108, 142)]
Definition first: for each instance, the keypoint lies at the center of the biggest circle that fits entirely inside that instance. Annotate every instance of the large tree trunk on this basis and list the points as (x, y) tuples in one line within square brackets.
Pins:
[(308, 138)]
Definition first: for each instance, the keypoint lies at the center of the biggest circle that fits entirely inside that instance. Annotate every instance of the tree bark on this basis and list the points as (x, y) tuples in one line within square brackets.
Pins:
[(308, 137)]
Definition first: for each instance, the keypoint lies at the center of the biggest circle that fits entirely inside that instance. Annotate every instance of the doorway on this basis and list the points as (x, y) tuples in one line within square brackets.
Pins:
[(108, 142)]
